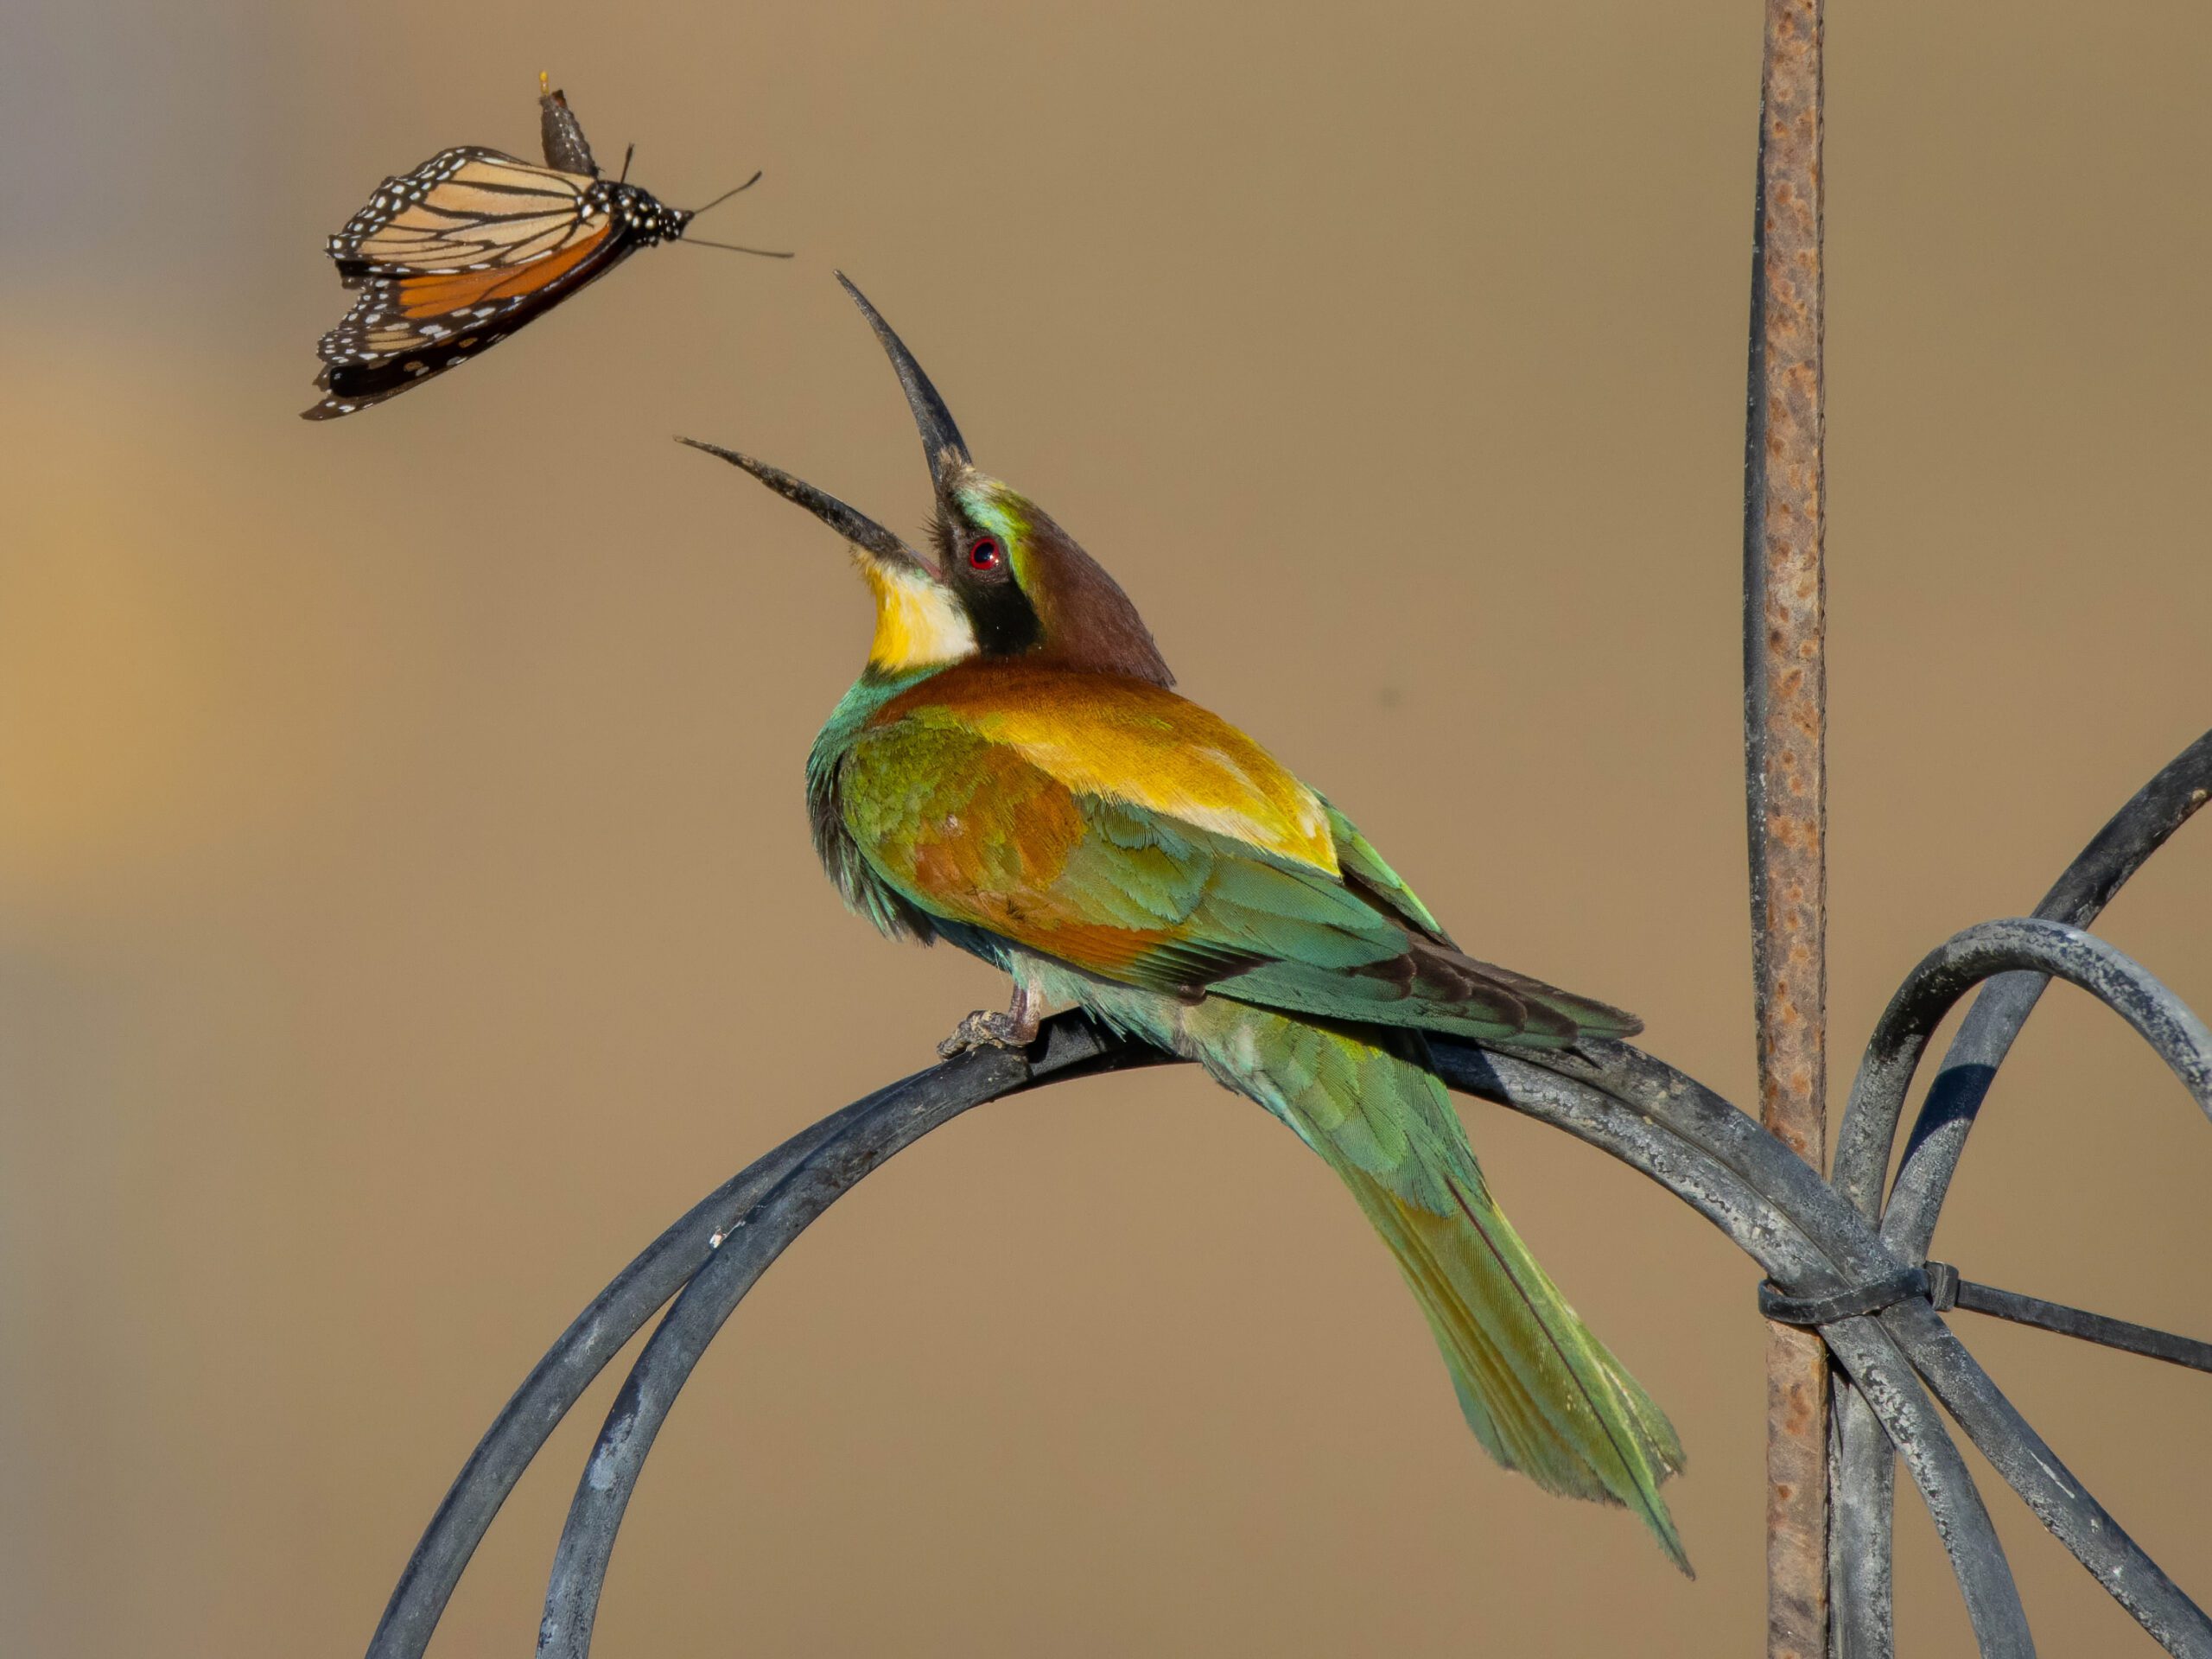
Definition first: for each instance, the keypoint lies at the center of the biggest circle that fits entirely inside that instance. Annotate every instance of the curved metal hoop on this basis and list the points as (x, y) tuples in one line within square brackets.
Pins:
[(1864, 1479), (1809, 1237)]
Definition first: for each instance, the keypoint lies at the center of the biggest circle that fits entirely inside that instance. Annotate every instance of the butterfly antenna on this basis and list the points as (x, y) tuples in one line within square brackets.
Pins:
[(727, 194), (624, 178), (731, 247)]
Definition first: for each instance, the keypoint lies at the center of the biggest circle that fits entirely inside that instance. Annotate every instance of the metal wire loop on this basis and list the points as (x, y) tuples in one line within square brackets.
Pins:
[(1847, 1302)]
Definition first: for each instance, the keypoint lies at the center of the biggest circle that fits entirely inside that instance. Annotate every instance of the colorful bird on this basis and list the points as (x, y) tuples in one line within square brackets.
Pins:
[(453, 257), (1012, 774)]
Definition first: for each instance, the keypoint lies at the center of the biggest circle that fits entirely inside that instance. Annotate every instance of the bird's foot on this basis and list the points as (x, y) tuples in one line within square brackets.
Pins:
[(987, 1028)]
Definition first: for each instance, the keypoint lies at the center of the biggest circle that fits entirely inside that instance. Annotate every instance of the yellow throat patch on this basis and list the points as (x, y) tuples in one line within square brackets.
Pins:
[(918, 623)]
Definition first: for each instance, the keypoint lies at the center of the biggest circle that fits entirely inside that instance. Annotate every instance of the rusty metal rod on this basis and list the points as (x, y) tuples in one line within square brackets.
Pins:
[(1785, 713)]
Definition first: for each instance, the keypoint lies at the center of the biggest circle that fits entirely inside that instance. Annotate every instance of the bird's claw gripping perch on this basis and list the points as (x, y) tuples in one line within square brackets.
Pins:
[(1016, 1027)]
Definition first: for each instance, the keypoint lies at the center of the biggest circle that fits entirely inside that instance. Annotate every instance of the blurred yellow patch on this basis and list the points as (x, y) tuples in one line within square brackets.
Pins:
[(139, 731)]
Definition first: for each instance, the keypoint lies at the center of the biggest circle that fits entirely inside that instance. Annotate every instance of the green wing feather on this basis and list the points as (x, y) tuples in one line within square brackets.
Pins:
[(1364, 867), (965, 829)]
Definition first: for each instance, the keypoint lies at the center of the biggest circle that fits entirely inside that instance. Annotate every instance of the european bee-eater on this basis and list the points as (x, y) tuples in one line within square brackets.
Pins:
[(1011, 773)]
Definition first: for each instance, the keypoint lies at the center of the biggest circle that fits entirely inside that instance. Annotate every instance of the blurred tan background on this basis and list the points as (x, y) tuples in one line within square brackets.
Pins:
[(405, 902)]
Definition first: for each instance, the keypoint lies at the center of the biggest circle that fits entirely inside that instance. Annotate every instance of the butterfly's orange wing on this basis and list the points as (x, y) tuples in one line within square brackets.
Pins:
[(457, 255)]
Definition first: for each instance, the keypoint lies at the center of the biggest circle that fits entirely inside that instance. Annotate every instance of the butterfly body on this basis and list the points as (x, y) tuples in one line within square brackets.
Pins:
[(453, 257)]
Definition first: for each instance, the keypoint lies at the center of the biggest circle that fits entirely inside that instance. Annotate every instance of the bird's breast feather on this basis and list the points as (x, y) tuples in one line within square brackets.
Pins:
[(1133, 742)]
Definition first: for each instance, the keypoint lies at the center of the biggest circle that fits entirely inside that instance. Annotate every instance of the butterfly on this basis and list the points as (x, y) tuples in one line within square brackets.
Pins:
[(453, 257)]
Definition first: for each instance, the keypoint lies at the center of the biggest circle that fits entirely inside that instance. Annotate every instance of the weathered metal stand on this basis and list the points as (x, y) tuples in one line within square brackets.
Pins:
[(1839, 1258), (1848, 1285)]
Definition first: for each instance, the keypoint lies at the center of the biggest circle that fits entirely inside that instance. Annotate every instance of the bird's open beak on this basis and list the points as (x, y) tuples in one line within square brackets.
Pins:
[(946, 450), (943, 447), (850, 522)]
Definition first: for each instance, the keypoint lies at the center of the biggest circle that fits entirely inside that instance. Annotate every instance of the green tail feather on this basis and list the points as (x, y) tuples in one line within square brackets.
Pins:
[(1539, 1389)]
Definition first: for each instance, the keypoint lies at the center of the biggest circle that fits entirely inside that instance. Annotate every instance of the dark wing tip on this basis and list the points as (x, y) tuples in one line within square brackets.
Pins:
[(1547, 1017), (1596, 1019)]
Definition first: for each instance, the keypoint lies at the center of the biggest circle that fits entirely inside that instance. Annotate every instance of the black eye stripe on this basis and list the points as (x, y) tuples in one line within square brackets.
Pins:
[(1006, 624)]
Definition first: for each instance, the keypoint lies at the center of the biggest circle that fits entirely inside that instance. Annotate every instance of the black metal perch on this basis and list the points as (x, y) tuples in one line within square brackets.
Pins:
[(1860, 1560), (1835, 1258)]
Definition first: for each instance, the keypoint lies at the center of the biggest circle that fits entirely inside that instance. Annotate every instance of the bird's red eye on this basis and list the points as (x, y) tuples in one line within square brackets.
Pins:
[(983, 554)]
